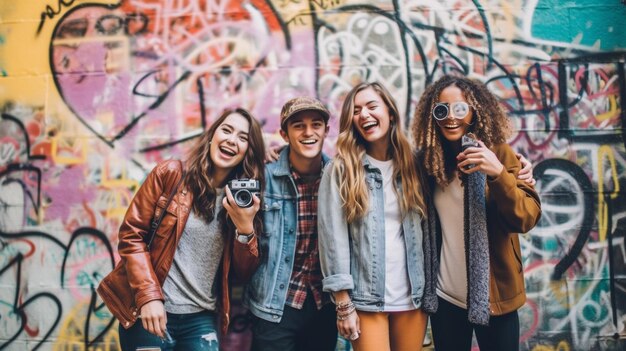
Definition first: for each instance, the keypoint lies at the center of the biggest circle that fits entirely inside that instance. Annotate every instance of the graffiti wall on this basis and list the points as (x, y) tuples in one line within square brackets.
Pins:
[(94, 93)]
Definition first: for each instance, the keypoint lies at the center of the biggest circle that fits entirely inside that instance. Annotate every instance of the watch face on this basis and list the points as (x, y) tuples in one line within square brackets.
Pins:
[(244, 239)]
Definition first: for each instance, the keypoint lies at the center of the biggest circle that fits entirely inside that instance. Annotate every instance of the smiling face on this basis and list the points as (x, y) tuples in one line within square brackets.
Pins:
[(451, 128), (371, 119), (229, 143), (305, 134)]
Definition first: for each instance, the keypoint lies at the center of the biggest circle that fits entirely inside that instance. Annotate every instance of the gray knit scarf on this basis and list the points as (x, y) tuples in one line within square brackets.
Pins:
[(476, 249), (476, 239)]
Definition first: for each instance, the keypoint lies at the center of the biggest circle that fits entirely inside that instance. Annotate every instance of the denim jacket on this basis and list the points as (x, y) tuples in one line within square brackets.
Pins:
[(266, 292), (352, 256)]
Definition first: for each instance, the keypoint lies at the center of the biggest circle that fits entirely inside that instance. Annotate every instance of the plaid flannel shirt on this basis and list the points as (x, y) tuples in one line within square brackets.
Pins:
[(306, 275)]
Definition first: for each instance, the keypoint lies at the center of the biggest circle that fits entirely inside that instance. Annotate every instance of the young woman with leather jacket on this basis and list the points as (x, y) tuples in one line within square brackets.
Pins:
[(172, 294)]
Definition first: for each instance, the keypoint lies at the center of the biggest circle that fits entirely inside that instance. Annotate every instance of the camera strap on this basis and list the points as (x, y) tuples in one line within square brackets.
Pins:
[(154, 225)]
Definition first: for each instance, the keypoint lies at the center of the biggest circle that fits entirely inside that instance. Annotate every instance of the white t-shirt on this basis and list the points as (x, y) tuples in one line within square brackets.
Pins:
[(397, 286)]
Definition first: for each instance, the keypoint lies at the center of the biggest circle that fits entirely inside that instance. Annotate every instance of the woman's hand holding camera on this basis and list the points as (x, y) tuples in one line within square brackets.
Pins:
[(481, 158), (242, 217)]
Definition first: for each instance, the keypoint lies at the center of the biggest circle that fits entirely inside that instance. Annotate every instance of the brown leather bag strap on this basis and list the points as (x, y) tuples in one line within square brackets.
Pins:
[(154, 225)]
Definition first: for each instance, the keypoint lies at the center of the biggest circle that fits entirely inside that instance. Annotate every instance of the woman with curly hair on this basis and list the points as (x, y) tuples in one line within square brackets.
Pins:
[(167, 292), (369, 226), (476, 208)]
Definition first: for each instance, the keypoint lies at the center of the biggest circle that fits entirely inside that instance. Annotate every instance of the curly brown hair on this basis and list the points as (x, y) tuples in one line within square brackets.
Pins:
[(490, 125)]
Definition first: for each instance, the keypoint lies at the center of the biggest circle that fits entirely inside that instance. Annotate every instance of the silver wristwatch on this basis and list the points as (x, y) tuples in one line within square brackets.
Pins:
[(243, 238)]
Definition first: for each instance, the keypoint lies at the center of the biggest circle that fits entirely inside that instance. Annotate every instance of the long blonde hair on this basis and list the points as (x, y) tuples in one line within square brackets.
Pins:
[(350, 153)]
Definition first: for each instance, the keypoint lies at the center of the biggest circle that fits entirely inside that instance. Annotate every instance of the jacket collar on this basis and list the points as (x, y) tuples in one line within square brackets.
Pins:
[(367, 163), (283, 166)]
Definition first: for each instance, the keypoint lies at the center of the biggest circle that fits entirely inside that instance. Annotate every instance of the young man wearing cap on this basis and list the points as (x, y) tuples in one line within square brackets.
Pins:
[(285, 294)]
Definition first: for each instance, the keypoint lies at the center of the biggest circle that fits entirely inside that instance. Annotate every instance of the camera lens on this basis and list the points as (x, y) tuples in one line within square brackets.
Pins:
[(440, 112), (460, 109), (243, 198)]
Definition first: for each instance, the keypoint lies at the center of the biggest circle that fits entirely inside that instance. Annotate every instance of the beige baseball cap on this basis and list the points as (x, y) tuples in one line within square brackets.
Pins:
[(299, 104)]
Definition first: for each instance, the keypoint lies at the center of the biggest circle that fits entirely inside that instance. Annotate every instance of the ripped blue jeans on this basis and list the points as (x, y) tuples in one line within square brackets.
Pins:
[(188, 332)]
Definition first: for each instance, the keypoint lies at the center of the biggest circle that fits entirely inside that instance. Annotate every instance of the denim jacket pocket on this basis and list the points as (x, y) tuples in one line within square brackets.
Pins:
[(271, 217)]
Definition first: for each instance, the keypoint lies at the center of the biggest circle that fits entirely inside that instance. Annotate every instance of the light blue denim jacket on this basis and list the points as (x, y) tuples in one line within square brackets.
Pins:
[(266, 293), (352, 256)]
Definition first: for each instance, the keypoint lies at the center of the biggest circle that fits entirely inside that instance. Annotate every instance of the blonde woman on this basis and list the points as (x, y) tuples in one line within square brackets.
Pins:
[(369, 226)]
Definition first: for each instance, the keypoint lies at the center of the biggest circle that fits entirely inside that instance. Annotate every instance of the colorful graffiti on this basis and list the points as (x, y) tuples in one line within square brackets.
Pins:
[(94, 93)]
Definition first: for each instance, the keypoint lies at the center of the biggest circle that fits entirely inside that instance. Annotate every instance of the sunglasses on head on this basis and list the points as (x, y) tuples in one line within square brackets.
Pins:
[(459, 110)]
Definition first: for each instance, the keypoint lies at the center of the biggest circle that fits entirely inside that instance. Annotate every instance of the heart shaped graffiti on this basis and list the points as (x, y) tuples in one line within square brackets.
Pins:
[(160, 61)]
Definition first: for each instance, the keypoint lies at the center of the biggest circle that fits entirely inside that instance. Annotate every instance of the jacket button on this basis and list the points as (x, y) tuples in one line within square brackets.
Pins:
[(282, 286), (134, 313), (127, 324)]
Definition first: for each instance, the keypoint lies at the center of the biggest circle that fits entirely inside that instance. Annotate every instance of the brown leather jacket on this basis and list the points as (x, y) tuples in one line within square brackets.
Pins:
[(138, 278)]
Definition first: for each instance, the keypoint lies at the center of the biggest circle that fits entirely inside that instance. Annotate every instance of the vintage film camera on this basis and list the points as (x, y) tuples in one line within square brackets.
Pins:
[(242, 190), (469, 140)]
